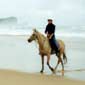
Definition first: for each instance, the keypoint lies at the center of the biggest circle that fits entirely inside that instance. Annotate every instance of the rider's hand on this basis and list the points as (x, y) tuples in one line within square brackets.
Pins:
[(49, 36)]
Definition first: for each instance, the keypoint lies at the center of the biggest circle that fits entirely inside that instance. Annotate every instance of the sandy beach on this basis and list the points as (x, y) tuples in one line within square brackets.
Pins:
[(8, 77)]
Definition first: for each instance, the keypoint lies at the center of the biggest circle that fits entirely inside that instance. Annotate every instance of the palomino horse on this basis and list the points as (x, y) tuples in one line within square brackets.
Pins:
[(45, 50)]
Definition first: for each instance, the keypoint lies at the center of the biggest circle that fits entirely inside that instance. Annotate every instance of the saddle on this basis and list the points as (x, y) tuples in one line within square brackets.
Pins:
[(54, 52)]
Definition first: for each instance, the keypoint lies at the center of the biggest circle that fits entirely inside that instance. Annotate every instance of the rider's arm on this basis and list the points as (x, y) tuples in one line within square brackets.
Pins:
[(46, 30)]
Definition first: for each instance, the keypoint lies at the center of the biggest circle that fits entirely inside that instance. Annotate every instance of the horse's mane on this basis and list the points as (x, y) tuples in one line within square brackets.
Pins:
[(42, 38), (42, 35)]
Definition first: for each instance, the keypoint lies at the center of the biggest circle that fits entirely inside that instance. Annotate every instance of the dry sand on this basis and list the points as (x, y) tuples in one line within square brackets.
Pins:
[(8, 77)]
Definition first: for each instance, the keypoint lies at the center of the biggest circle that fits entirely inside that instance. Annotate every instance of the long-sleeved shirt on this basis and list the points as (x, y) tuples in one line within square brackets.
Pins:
[(50, 28)]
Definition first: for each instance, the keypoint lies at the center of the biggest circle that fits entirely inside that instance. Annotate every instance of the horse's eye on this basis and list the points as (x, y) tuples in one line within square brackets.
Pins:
[(33, 35)]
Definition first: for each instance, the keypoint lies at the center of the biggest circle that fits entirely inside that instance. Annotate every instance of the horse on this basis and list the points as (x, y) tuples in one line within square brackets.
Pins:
[(46, 50)]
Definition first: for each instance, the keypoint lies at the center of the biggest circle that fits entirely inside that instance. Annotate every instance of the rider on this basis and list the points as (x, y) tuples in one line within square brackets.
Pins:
[(50, 31)]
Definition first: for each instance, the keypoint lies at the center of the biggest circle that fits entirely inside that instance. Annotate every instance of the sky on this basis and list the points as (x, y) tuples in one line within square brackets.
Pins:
[(36, 12)]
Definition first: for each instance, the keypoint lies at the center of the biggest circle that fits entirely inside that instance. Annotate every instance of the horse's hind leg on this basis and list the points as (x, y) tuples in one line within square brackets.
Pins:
[(48, 59), (57, 64), (42, 59), (61, 63), (58, 56)]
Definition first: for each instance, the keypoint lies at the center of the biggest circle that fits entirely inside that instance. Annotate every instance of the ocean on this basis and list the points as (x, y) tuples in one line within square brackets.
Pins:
[(17, 54)]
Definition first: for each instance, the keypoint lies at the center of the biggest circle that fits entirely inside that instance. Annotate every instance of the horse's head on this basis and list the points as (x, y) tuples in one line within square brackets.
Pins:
[(33, 36)]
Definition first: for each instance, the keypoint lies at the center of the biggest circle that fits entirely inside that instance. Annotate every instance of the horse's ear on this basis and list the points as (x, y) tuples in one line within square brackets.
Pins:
[(34, 30)]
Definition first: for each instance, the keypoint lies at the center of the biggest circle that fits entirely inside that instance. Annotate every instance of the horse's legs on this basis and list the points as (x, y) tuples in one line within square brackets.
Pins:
[(42, 59), (57, 64), (60, 60), (48, 59), (61, 63)]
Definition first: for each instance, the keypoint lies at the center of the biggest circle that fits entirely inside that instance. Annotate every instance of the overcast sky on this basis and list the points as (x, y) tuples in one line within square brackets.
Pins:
[(64, 12)]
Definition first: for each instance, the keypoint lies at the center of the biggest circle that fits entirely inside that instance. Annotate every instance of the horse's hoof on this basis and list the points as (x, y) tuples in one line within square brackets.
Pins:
[(62, 72), (41, 71), (53, 70)]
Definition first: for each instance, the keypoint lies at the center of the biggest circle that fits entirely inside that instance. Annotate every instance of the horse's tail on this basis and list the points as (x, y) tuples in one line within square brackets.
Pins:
[(64, 58)]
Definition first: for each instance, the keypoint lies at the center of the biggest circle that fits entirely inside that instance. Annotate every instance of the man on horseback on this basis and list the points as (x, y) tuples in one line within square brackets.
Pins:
[(50, 31), (44, 48)]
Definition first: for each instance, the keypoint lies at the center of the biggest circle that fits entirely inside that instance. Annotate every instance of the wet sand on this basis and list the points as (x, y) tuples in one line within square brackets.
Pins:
[(8, 77)]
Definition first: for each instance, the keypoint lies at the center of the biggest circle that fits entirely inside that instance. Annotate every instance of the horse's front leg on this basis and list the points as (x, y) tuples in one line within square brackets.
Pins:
[(48, 60), (42, 59)]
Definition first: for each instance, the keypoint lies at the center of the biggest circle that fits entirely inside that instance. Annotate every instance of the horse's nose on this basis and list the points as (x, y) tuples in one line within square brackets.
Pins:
[(29, 40)]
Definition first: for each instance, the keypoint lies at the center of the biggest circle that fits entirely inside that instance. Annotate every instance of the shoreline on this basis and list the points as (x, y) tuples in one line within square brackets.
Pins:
[(12, 77)]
